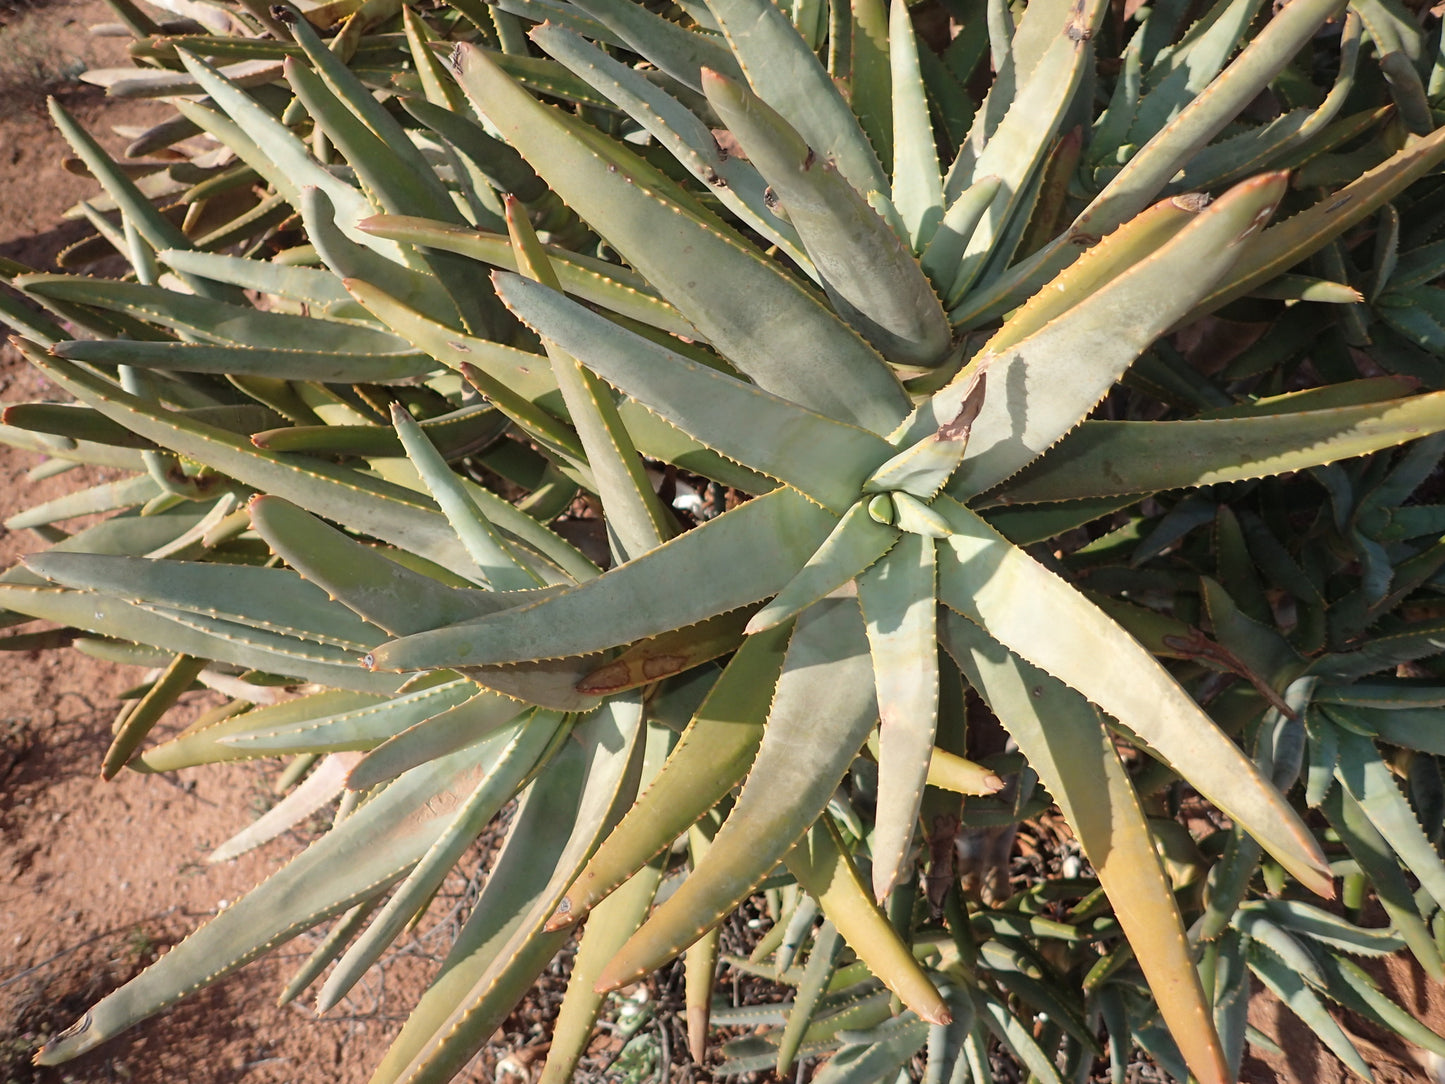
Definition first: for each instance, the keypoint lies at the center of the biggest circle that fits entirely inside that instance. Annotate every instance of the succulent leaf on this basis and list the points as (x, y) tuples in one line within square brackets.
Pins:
[(857, 541), (917, 183), (513, 761), (821, 864), (1054, 727), (766, 540), (570, 805), (1101, 458), (679, 52), (832, 716), (984, 582), (1105, 333), (785, 73), (793, 346), (711, 757), (733, 179), (373, 847), (599, 283), (898, 598), (868, 271)]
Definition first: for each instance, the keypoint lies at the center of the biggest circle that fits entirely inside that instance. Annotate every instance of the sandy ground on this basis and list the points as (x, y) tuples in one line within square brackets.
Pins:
[(97, 878)]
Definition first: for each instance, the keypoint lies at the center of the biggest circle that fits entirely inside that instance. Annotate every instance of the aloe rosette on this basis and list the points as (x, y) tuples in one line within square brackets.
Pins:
[(793, 317)]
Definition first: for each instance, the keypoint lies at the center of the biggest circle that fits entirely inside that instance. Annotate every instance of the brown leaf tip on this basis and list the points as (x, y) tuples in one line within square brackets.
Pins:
[(560, 917), (958, 429)]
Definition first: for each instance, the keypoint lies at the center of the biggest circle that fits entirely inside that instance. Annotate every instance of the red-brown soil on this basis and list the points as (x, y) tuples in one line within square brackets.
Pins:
[(96, 878)]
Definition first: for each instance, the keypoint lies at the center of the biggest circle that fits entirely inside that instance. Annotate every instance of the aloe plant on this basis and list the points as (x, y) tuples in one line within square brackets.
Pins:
[(767, 250)]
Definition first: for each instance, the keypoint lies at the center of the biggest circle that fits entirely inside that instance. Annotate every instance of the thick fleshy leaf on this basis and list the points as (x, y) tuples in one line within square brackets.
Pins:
[(616, 919), (1016, 1038), (700, 965), (1206, 115), (1066, 742), (1291, 988), (1017, 150), (1279, 752), (712, 756), (1417, 729), (786, 74), (668, 653), (1134, 241), (1181, 71), (1050, 625), (858, 51), (1353, 987), (922, 469), (456, 434), (734, 181), (1321, 926), (1285, 244), (1095, 341), (379, 508), (1113, 458), (917, 181), (855, 543), (1151, 169), (203, 744), (818, 972), (792, 345), (942, 258), (498, 566), (140, 213), (749, 553), (680, 52), (821, 864), (275, 152), (880, 1053), (515, 381), (899, 600), (374, 143), (218, 322), (324, 783), (349, 260), (636, 519), (69, 449), (126, 534), (824, 703), (1372, 784), (949, 771), (516, 376), (193, 634), (1378, 863), (607, 285), (256, 733), (384, 591), (868, 271), (377, 368), (106, 497), (268, 598), (434, 737), (131, 728), (375, 845), (514, 759), (501, 949), (822, 458)]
